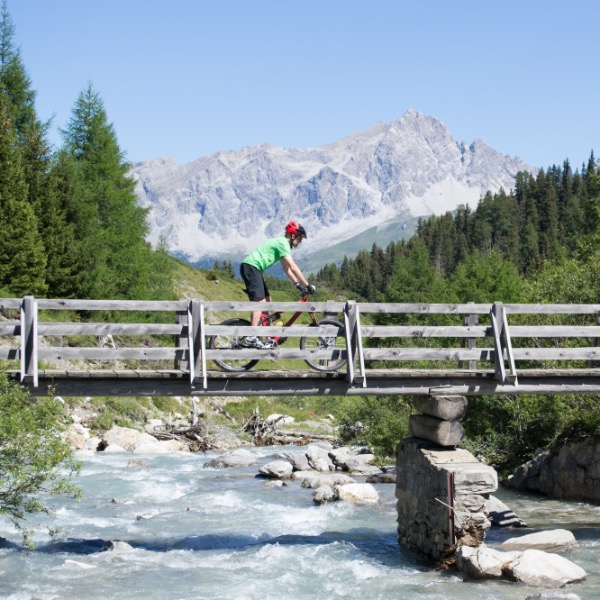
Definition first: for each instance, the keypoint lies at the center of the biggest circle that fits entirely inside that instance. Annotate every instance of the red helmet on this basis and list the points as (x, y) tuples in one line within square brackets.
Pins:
[(295, 229)]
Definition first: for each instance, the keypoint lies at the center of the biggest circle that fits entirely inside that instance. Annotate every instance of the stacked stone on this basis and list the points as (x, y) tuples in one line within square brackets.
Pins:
[(441, 490), (440, 493), (440, 419)]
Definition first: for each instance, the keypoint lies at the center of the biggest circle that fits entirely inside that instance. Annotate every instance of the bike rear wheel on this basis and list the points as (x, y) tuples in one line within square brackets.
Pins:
[(231, 342), (336, 341)]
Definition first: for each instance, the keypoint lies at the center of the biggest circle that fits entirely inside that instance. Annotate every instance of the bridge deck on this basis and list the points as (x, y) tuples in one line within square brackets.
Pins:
[(157, 382)]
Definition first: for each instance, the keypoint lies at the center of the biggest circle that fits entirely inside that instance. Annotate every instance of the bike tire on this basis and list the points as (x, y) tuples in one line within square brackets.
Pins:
[(337, 341), (227, 342)]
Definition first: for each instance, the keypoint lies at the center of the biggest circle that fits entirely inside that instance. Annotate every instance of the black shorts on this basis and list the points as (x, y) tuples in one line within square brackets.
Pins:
[(256, 288)]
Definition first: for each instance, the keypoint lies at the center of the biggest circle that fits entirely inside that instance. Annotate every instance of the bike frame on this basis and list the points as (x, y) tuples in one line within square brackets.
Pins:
[(267, 319)]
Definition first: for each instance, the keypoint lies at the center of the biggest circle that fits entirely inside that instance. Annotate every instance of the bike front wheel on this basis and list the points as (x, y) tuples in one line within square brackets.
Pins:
[(231, 342), (336, 342)]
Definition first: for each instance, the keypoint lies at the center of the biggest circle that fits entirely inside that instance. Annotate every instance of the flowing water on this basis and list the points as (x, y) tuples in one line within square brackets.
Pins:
[(203, 533)]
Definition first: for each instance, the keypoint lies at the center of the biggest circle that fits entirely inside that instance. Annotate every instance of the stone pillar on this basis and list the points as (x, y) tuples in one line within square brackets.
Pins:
[(440, 492)]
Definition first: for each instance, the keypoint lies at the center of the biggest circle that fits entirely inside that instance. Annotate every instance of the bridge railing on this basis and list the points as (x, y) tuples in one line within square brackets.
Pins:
[(502, 339), (478, 336)]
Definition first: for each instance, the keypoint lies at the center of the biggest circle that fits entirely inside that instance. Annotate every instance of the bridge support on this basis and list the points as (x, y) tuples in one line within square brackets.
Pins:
[(440, 494), (441, 490)]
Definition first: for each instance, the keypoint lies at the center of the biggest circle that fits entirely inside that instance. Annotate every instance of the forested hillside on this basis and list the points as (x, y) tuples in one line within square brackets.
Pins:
[(537, 243), (69, 219)]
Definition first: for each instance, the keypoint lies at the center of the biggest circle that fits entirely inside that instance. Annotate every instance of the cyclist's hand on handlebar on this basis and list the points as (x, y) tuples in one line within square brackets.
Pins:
[(301, 288), (306, 289)]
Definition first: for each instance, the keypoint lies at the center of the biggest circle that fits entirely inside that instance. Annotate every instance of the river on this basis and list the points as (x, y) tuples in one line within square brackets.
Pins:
[(201, 533)]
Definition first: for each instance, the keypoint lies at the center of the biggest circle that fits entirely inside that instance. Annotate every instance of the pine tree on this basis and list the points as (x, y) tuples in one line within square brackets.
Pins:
[(111, 226), (22, 257), (13, 77), (30, 132)]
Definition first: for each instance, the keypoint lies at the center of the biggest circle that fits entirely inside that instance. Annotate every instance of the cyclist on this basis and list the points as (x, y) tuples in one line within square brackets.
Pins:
[(275, 250)]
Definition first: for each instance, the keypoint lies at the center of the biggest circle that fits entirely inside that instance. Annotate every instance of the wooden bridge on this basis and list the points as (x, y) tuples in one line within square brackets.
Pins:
[(55, 346)]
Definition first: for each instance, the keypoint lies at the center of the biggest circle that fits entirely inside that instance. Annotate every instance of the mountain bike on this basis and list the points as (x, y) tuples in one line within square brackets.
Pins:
[(235, 342)]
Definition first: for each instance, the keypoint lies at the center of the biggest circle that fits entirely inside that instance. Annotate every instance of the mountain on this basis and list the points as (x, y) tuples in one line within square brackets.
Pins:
[(369, 186)]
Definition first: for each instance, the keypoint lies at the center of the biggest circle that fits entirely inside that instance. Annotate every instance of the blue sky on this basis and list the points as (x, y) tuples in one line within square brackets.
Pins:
[(187, 78)]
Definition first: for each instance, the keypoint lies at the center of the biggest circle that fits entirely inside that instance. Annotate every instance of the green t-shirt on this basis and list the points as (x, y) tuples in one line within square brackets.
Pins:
[(268, 253)]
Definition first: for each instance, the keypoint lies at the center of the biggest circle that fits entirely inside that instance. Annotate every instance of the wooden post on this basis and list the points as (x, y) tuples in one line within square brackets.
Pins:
[(470, 320), (196, 342), (181, 341), (29, 366), (496, 315), (595, 363), (354, 344)]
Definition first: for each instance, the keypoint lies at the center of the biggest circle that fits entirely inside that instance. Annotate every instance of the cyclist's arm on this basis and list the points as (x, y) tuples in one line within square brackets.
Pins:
[(292, 270)]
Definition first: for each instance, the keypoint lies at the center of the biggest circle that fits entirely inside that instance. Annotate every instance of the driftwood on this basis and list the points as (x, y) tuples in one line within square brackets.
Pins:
[(269, 434), (198, 436)]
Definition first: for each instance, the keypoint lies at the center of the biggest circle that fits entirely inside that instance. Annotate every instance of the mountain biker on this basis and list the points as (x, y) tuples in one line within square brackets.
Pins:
[(275, 250)]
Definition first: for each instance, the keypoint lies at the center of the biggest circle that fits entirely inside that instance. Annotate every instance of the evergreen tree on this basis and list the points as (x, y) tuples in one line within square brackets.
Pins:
[(13, 77), (112, 250), (414, 278), (30, 132), (486, 278), (22, 257), (60, 230)]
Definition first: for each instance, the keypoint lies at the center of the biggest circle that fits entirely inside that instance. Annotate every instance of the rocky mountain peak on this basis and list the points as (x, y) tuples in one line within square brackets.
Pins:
[(224, 204)]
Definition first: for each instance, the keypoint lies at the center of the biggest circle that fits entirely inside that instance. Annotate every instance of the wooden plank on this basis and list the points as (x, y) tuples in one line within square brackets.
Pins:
[(11, 303), (426, 331), (407, 308), (107, 353), (556, 353), (101, 329), (108, 305), (293, 331), (551, 309), (416, 354), (10, 328), (291, 307), (546, 331), (275, 354)]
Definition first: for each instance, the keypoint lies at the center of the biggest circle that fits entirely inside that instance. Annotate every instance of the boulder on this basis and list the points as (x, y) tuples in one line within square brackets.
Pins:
[(554, 539), (331, 479), (543, 569), (299, 462), (323, 494), (302, 475), (236, 458), (126, 438), (318, 458), (361, 493), (482, 562), (278, 469)]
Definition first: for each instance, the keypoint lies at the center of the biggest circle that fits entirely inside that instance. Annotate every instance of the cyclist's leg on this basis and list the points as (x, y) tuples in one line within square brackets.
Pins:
[(257, 291)]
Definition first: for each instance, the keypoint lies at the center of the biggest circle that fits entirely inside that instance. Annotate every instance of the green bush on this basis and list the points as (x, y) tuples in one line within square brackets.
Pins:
[(34, 459), (379, 421)]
